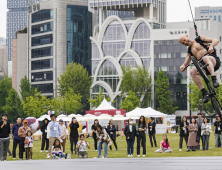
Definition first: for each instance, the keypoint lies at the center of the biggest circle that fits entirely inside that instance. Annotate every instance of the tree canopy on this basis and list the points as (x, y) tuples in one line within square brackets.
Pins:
[(130, 102)]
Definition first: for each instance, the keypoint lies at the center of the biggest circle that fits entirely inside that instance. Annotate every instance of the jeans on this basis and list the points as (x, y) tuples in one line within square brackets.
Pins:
[(15, 144), (154, 139), (216, 139), (181, 140), (142, 136), (4, 145), (73, 141), (45, 140), (105, 149), (130, 148), (163, 150), (205, 141)]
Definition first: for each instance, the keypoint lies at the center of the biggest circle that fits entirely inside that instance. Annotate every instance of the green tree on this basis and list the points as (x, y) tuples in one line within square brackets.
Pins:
[(130, 102), (195, 97), (26, 89), (24, 30), (76, 78), (98, 99), (163, 94), (5, 87), (13, 106), (36, 105), (140, 82)]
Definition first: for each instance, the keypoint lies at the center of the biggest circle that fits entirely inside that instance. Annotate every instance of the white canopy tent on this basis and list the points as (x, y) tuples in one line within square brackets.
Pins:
[(105, 106), (41, 118)]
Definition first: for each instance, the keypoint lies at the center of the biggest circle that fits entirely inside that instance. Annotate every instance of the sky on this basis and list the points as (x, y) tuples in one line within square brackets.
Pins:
[(177, 10)]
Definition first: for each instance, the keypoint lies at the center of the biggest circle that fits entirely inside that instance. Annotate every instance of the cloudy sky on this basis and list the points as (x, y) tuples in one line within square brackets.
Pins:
[(177, 10)]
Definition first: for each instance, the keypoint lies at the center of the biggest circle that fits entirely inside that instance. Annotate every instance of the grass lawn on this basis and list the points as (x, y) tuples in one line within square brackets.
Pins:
[(122, 146)]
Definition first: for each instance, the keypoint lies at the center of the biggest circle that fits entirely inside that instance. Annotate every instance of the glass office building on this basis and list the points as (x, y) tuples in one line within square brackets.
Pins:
[(79, 29), (16, 20), (168, 56)]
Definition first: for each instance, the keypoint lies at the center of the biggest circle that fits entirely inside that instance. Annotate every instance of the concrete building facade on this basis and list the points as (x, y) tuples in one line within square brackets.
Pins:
[(3, 61), (214, 13)]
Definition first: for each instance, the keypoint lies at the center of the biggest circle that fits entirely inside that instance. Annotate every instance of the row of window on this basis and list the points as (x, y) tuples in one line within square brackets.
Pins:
[(44, 88), (42, 52), (42, 40), (42, 28), (215, 17), (126, 2), (42, 64), (42, 15), (42, 76)]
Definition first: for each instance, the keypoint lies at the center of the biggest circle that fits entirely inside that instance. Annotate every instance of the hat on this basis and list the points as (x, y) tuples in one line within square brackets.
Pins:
[(25, 121), (52, 115), (60, 120), (4, 114)]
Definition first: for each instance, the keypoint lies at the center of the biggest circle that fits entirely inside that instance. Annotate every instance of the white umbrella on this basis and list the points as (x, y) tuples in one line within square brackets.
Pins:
[(41, 118), (104, 117), (89, 117), (62, 116)]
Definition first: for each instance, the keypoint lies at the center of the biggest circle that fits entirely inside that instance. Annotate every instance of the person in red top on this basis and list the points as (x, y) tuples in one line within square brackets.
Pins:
[(22, 132)]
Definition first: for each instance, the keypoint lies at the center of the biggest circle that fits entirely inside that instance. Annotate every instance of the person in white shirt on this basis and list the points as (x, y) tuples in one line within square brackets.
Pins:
[(81, 147), (63, 135)]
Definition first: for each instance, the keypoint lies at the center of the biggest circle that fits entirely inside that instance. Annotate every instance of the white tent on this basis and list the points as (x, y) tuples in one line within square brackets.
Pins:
[(147, 112), (105, 106)]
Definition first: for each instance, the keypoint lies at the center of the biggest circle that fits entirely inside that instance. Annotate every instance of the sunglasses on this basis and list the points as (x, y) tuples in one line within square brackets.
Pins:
[(25, 123)]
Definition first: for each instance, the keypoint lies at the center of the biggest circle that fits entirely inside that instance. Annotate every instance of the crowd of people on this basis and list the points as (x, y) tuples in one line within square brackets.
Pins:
[(54, 137)]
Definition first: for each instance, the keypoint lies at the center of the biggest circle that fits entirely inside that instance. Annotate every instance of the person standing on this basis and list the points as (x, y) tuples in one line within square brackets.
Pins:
[(141, 128), (130, 132), (55, 130), (184, 133), (16, 137), (192, 143), (199, 122), (74, 135), (63, 135), (205, 133), (217, 131), (111, 127), (152, 131), (22, 132), (96, 122), (45, 140), (4, 137)]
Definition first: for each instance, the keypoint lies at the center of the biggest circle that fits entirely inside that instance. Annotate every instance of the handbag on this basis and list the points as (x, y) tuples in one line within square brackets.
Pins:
[(137, 133), (129, 136)]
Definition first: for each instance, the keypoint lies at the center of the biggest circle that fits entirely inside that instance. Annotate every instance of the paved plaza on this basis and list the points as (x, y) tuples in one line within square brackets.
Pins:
[(172, 163)]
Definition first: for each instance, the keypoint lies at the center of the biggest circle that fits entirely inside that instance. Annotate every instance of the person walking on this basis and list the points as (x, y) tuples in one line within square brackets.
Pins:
[(22, 132), (63, 135), (55, 130), (152, 131), (192, 143), (141, 128), (217, 131), (184, 133), (130, 132), (16, 137), (205, 133), (4, 137), (111, 127), (74, 134), (45, 140), (96, 122)]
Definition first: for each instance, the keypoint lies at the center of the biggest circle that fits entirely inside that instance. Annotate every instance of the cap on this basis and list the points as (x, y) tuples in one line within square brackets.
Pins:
[(52, 115), (60, 120), (25, 121)]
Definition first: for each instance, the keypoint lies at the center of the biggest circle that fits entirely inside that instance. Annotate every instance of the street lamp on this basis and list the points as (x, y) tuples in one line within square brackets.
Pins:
[(155, 94)]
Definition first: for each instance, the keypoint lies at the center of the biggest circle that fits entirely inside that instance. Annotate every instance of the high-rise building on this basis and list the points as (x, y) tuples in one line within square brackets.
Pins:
[(16, 20), (2, 41), (145, 40), (58, 34), (214, 13), (3, 61)]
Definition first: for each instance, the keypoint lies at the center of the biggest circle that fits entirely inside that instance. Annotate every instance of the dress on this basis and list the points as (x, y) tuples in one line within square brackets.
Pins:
[(192, 144)]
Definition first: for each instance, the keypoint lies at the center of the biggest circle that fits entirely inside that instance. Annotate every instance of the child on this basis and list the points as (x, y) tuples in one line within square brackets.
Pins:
[(57, 150), (164, 146), (81, 147), (29, 145)]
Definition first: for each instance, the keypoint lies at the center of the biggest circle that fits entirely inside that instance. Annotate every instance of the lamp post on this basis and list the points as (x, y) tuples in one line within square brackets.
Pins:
[(155, 94)]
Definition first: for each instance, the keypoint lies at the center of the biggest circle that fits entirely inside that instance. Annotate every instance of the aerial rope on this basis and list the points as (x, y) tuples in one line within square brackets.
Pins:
[(195, 27)]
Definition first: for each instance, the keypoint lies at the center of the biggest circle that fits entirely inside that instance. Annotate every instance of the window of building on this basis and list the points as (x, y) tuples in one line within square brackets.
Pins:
[(42, 15), (42, 28), (114, 32), (42, 40), (183, 55), (42, 76), (142, 32), (42, 64), (44, 88), (201, 16), (42, 52), (95, 51), (220, 51), (220, 39), (215, 18), (219, 18), (107, 68)]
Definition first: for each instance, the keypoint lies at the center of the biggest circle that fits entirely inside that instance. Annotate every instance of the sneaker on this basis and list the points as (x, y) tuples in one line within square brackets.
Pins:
[(138, 155), (188, 150), (41, 151), (10, 155), (105, 157), (14, 158), (48, 156), (21, 159), (144, 155), (180, 149), (206, 97), (46, 151), (131, 155), (216, 83)]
